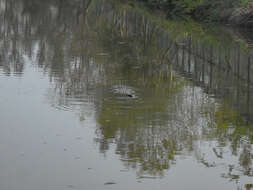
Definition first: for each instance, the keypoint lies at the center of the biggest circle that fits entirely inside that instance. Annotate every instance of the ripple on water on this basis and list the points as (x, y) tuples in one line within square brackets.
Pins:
[(70, 102)]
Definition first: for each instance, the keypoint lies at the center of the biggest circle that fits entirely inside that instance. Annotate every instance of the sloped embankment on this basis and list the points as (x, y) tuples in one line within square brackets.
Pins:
[(242, 16)]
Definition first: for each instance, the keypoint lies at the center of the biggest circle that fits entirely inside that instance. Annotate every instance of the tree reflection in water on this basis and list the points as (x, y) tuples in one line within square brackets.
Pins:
[(192, 96)]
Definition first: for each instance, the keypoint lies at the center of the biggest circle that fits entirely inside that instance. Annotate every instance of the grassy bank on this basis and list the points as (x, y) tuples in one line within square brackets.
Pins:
[(238, 12)]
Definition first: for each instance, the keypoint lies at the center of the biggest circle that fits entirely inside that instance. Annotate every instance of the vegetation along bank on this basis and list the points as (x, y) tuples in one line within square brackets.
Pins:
[(234, 12)]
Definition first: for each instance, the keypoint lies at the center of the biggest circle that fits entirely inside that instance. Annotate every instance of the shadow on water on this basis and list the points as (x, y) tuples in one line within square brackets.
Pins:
[(162, 90)]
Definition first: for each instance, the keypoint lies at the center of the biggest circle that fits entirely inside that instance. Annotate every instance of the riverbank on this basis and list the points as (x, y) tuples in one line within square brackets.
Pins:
[(218, 34), (237, 13)]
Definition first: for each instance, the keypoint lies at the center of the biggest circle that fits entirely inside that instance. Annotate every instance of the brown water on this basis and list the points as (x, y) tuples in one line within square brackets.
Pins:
[(102, 95)]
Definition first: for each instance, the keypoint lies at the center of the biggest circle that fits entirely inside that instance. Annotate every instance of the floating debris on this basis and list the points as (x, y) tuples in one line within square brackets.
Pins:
[(109, 183), (82, 118)]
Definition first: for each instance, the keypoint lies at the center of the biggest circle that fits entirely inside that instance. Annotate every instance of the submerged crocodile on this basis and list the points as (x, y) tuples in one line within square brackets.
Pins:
[(124, 90)]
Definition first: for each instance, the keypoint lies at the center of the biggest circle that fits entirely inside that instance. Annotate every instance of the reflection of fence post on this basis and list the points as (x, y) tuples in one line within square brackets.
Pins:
[(189, 54), (203, 65), (177, 55), (195, 60), (211, 65), (248, 89), (171, 73), (238, 63), (183, 56), (238, 77), (219, 59), (228, 60)]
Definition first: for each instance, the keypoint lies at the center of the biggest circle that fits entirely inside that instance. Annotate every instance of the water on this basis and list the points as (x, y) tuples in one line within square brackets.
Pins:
[(103, 95)]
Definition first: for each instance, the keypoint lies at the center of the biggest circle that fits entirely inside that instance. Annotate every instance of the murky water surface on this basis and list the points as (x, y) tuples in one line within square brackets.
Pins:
[(103, 95)]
